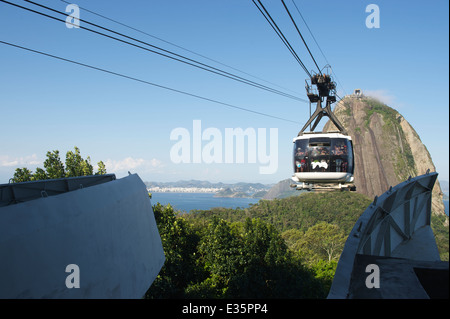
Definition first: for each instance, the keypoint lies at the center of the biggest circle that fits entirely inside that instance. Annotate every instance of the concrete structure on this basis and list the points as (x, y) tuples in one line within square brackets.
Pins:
[(87, 237), (393, 245)]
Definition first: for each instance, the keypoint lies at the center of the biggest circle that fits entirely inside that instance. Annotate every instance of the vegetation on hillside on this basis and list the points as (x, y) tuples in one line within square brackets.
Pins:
[(285, 248), (298, 212), (282, 248), (441, 234), (221, 259)]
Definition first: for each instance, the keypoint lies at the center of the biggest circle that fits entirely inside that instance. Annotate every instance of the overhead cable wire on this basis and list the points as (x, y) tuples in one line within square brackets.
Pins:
[(320, 49), (298, 31), (145, 82), (280, 34), (166, 53), (177, 46), (177, 56)]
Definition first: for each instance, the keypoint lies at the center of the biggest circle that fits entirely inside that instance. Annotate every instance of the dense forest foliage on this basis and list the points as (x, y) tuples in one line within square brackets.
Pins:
[(298, 212), (281, 248), (222, 259), (285, 248)]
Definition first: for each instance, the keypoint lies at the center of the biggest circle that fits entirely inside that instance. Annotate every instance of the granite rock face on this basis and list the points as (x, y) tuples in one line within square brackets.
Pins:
[(387, 148)]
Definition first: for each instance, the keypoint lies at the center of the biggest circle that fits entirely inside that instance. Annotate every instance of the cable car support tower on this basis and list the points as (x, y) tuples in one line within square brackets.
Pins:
[(326, 89)]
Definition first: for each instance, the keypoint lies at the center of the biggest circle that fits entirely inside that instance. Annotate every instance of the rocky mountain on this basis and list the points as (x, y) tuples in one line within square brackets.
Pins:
[(281, 190), (228, 192), (387, 148)]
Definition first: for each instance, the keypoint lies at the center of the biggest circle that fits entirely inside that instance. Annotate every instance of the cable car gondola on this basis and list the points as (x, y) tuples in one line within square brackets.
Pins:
[(323, 160)]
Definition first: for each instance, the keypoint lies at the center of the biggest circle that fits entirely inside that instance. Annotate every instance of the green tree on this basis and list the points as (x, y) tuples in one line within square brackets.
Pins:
[(324, 272), (74, 163), (250, 260), (22, 175), (293, 238), (323, 241), (221, 259), (221, 250), (101, 169), (86, 167), (40, 174), (53, 165), (179, 243)]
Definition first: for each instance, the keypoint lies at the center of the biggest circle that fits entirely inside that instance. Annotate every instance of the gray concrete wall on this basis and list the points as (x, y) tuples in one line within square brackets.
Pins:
[(107, 230)]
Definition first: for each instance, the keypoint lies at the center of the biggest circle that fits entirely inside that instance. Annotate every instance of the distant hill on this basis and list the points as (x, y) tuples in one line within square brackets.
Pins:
[(241, 189), (281, 190), (227, 192)]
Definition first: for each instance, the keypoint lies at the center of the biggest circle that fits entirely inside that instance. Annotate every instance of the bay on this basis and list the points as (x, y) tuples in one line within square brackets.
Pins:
[(203, 201), (446, 207)]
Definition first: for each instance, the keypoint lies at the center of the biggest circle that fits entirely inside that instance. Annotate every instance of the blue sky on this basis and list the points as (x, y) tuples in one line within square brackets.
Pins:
[(47, 104)]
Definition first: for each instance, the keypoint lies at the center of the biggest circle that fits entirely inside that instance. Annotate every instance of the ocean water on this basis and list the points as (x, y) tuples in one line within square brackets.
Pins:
[(446, 206), (188, 201)]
